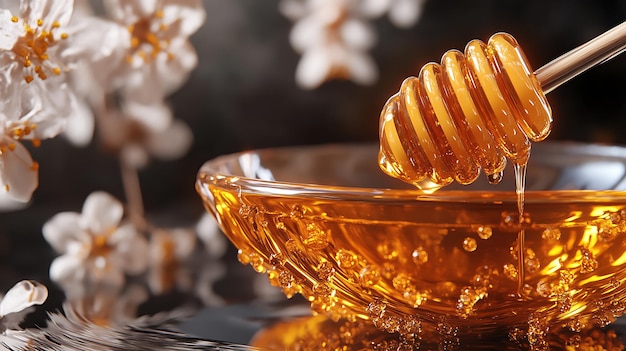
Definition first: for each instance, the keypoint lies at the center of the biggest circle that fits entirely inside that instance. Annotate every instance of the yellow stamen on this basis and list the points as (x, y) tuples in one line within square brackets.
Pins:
[(56, 71), (12, 146), (27, 63), (64, 35), (28, 78), (6, 187), (40, 22), (14, 19), (158, 14), (56, 24), (34, 166), (36, 142)]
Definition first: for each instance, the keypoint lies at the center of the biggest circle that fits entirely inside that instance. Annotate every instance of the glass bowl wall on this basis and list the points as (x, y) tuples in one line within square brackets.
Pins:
[(325, 222)]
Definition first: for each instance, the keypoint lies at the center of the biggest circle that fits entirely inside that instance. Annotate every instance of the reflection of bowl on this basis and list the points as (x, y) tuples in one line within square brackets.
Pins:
[(325, 222), (315, 333)]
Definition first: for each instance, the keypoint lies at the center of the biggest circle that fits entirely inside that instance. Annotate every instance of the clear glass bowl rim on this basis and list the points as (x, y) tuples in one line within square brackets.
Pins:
[(213, 172)]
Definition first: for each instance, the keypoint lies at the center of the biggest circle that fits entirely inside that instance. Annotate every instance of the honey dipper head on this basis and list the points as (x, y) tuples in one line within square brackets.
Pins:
[(472, 111)]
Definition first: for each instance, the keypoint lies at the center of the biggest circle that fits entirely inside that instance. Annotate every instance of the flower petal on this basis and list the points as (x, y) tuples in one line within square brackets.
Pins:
[(18, 172), (22, 295), (62, 229), (67, 268), (131, 249), (80, 126), (172, 142), (9, 31), (49, 10), (313, 68), (190, 13), (102, 212)]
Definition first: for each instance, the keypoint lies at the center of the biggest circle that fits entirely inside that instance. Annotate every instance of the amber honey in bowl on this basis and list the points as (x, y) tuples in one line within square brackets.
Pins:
[(324, 222)]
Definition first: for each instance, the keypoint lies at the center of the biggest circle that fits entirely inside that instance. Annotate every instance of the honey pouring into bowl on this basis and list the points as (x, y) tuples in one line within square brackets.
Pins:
[(322, 223)]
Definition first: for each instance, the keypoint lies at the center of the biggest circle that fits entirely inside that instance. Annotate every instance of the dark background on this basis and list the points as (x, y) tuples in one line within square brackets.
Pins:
[(243, 96)]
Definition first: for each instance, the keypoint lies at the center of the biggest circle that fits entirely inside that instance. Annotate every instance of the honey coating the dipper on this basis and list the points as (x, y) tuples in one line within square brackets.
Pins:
[(472, 111)]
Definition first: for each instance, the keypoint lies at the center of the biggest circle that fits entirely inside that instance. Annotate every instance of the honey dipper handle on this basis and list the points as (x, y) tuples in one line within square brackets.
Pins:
[(592, 53)]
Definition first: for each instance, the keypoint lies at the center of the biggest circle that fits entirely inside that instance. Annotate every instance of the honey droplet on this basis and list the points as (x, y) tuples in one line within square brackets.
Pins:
[(346, 259), (510, 271), (316, 237), (469, 244), (551, 234), (389, 250), (588, 262), (369, 276), (419, 256), (484, 232), (495, 178), (325, 270)]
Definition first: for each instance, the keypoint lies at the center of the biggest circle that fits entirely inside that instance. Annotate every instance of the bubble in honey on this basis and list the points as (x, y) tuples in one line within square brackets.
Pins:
[(316, 238), (277, 260), (543, 288), (531, 261), (410, 326), (419, 255), (388, 270), (325, 270), (467, 299), (297, 212), (537, 332), (588, 262), (369, 276), (551, 234), (575, 324), (388, 249), (469, 244), (346, 258), (564, 301), (484, 232), (405, 284), (280, 225), (285, 279), (573, 341), (376, 308), (485, 277), (510, 271)]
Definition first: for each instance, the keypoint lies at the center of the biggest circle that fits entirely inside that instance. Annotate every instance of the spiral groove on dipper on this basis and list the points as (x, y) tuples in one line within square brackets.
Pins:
[(470, 112)]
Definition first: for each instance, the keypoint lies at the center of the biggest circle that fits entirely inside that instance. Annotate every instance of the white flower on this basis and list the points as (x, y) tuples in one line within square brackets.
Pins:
[(104, 305), (211, 236), (333, 41), (38, 48), (170, 250), (158, 55), (94, 244), (140, 132), (17, 300), (402, 13)]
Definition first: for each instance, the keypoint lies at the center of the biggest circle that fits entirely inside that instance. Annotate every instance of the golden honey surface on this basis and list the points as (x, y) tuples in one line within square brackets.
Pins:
[(403, 262), (470, 112)]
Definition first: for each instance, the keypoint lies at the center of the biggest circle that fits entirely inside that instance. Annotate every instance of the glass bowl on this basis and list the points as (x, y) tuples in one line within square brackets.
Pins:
[(323, 221)]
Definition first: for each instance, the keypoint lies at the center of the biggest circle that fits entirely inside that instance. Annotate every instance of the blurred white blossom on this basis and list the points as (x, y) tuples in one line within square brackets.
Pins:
[(158, 55), (38, 46), (15, 303), (211, 236), (402, 13), (170, 250), (334, 36), (333, 39), (139, 132), (95, 245)]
